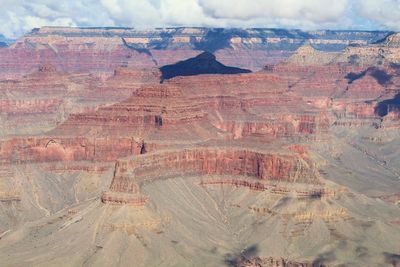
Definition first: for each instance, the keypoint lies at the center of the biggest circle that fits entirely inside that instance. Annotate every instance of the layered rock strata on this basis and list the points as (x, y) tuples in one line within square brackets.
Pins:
[(129, 174), (104, 49)]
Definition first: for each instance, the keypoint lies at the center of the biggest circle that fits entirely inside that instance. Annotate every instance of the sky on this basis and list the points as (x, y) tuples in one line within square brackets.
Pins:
[(20, 16)]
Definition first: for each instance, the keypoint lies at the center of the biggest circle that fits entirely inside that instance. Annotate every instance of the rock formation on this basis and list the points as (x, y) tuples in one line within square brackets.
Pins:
[(293, 164), (72, 49), (130, 174)]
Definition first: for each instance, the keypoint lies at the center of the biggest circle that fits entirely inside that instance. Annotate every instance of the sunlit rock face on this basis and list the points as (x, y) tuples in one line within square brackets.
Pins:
[(199, 147), (101, 50)]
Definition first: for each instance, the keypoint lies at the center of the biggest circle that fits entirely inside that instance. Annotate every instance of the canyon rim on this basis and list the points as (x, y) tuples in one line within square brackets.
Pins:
[(195, 146)]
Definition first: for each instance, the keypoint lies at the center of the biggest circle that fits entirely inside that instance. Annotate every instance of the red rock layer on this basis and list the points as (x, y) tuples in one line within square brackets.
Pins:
[(192, 108), (350, 103), (38, 102), (31, 53), (242, 105), (150, 107), (52, 149), (70, 55), (283, 126), (27, 106), (130, 173), (286, 167)]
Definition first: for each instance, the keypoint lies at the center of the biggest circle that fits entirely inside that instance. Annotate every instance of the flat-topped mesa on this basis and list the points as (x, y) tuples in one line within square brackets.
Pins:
[(290, 167), (198, 37), (104, 49)]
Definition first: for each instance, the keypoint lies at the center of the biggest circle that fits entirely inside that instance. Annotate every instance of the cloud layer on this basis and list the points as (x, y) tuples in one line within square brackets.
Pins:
[(20, 16)]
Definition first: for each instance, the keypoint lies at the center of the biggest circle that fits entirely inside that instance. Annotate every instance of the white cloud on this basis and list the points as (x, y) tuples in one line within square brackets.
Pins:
[(19, 16), (385, 12), (132, 13), (182, 12), (112, 6), (312, 10)]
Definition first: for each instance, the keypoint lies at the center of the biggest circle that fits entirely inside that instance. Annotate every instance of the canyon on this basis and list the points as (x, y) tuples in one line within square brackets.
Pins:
[(200, 147)]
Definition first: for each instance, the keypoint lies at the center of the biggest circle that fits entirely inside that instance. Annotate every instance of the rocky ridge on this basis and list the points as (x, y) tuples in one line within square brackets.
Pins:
[(72, 49), (292, 165)]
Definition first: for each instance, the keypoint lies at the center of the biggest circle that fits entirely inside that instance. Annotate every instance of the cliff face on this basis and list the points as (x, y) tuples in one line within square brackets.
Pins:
[(39, 101), (149, 110), (130, 174), (97, 156), (96, 54), (104, 49), (192, 109), (286, 101), (214, 39), (68, 149)]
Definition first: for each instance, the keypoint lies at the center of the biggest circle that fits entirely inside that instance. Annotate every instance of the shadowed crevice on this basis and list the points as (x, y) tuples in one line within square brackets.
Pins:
[(205, 63), (384, 107)]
